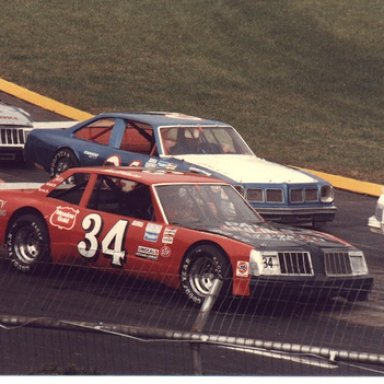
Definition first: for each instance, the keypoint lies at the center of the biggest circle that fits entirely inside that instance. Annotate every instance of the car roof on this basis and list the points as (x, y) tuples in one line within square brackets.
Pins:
[(150, 175), (158, 119)]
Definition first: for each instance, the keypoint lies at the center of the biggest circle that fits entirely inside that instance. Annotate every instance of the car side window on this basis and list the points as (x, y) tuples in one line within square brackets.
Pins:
[(137, 138), (71, 189), (121, 197), (98, 131), (168, 138)]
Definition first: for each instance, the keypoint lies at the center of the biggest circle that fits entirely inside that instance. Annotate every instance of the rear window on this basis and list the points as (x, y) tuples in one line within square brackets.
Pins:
[(98, 131)]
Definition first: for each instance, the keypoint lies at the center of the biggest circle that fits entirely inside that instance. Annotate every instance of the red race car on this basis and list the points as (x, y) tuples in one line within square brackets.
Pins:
[(183, 230)]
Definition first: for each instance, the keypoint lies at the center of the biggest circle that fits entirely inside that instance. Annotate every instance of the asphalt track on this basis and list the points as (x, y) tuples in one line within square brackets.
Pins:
[(70, 293)]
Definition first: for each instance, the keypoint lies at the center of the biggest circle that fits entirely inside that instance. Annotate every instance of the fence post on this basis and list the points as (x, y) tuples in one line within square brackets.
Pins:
[(200, 321)]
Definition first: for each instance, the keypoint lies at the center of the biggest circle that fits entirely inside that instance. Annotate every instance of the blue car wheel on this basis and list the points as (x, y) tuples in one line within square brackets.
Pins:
[(63, 160)]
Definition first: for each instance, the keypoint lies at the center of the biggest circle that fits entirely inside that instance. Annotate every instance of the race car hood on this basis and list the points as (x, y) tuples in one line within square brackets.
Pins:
[(248, 169), (276, 235), (13, 116)]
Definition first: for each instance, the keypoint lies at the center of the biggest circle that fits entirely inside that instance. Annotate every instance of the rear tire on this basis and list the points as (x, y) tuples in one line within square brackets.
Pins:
[(63, 160), (28, 242), (200, 267)]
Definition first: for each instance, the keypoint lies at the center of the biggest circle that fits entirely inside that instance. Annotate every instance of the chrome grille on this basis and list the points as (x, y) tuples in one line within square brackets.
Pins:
[(310, 194), (296, 195), (12, 136), (299, 195), (337, 263), (295, 263), (274, 195), (254, 194)]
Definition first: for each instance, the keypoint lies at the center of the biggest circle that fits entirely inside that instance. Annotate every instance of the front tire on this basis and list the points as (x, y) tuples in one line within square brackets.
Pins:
[(28, 242), (200, 267), (63, 160)]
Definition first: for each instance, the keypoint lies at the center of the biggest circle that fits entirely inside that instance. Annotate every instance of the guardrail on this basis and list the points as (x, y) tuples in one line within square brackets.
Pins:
[(320, 356)]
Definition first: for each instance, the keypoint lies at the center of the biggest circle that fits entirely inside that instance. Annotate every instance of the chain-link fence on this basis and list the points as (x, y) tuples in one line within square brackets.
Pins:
[(71, 320)]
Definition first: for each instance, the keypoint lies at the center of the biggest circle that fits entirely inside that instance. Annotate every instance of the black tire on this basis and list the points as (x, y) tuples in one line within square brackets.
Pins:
[(28, 242), (200, 267), (63, 160)]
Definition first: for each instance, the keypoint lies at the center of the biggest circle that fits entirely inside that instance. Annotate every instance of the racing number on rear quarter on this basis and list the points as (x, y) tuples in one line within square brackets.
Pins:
[(112, 244)]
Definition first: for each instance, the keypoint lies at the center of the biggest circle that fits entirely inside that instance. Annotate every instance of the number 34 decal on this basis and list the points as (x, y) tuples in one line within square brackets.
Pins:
[(112, 244)]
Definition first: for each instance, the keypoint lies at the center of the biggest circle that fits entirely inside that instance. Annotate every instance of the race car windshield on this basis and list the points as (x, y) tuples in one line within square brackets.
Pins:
[(202, 140), (205, 205)]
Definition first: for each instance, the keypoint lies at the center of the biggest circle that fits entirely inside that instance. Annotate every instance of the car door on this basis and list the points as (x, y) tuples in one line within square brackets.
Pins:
[(118, 228), (132, 144), (64, 211)]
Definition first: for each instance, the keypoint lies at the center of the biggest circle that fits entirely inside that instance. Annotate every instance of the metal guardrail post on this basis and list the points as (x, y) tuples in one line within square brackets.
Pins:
[(200, 321)]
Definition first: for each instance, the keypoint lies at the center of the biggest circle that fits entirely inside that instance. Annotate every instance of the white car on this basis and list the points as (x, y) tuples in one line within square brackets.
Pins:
[(15, 125), (376, 222)]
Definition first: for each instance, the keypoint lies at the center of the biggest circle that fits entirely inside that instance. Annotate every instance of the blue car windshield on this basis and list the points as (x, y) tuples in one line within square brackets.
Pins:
[(209, 205), (202, 140)]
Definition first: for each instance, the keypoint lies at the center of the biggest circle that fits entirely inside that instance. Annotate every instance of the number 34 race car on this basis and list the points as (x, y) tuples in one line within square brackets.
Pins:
[(182, 230)]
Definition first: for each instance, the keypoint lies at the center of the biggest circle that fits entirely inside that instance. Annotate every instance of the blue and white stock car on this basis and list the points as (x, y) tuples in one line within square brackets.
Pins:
[(187, 144)]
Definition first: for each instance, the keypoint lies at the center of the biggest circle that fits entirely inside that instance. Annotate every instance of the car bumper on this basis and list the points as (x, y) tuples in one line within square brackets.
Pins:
[(298, 215), (11, 153), (354, 288), (375, 225)]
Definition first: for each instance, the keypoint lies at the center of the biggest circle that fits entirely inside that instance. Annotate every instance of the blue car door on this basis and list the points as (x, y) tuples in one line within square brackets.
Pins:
[(131, 144)]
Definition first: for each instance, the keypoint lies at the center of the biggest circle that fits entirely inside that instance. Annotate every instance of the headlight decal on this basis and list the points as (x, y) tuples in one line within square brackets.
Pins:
[(358, 263), (327, 194), (264, 263)]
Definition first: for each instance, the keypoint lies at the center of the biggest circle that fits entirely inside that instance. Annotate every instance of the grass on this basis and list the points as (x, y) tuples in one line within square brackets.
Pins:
[(302, 80)]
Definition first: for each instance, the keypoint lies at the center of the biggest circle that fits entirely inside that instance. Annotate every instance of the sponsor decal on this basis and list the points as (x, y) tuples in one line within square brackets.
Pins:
[(147, 252), (91, 155), (64, 218), (165, 251), (113, 160), (162, 163), (247, 228), (137, 223), (50, 184), (5, 117), (168, 235), (58, 179), (167, 165), (150, 163), (135, 163), (152, 232), (264, 233), (3, 212), (242, 269), (198, 170), (171, 166)]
